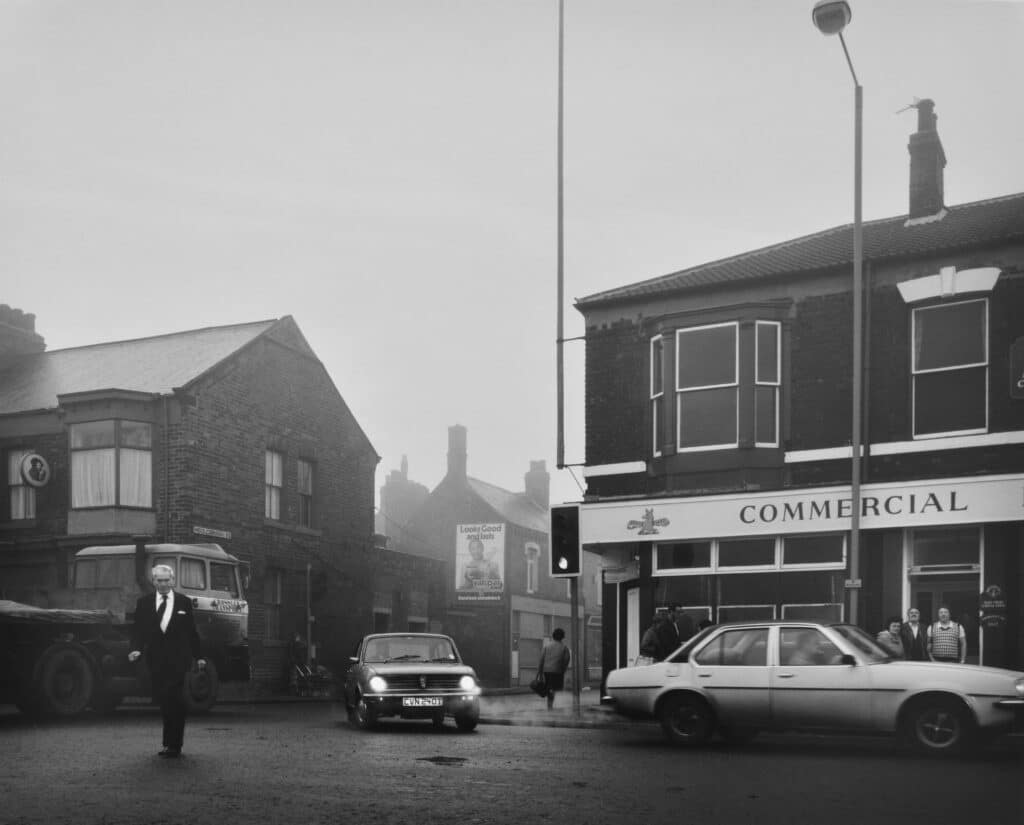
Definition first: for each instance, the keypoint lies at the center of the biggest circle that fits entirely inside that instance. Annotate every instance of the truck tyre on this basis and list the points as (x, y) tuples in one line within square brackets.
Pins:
[(201, 688), (66, 680)]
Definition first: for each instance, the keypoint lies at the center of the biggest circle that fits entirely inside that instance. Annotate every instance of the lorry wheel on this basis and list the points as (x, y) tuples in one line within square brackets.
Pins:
[(201, 688), (66, 680)]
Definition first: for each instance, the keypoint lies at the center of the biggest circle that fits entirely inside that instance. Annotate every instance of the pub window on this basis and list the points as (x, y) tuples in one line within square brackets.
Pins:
[(816, 549), (111, 464), (21, 497), (273, 481), (273, 593), (746, 552), (657, 393), (707, 385), (685, 555), (950, 368), (305, 490)]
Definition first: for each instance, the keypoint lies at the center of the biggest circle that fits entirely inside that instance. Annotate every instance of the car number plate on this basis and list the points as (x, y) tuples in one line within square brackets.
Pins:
[(421, 702)]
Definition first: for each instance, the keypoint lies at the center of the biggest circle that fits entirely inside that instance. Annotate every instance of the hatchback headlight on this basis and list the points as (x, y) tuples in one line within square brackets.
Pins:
[(467, 683), (1019, 686), (377, 684)]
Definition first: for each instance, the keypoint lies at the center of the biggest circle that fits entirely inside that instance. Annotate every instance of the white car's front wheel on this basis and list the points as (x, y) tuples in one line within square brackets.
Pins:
[(939, 726), (686, 720)]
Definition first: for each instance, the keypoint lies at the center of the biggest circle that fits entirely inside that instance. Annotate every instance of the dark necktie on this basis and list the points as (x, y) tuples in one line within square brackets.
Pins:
[(161, 609)]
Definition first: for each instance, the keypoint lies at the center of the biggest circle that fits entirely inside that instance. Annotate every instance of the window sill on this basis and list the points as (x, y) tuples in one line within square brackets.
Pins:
[(292, 528), (18, 524)]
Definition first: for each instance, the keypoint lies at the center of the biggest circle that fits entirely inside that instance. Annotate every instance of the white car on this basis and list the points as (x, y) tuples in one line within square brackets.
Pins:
[(740, 678)]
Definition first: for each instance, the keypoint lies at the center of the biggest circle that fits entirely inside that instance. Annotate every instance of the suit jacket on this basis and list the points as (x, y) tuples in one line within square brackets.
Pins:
[(916, 650), (168, 654)]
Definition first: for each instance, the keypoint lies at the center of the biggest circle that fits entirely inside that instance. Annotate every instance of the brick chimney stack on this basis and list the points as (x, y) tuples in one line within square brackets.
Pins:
[(457, 451), (927, 160), (538, 484), (18, 334)]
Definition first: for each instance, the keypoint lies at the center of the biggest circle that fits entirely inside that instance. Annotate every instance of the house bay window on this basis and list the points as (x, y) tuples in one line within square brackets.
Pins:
[(950, 368), (111, 464), (767, 371), (707, 387)]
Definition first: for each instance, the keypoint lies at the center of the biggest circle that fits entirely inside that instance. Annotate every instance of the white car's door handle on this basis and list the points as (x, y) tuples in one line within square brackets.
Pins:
[(785, 675), (704, 675)]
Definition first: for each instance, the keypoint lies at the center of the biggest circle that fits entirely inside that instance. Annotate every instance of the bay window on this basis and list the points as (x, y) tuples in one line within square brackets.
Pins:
[(950, 368), (657, 393), (767, 369), (111, 464), (707, 387)]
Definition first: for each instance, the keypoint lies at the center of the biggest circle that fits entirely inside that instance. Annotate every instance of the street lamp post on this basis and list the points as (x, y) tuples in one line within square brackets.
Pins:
[(831, 17)]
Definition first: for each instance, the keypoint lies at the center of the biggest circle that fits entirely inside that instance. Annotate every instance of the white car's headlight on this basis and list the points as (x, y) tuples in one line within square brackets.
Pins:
[(377, 684), (1019, 686), (467, 683)]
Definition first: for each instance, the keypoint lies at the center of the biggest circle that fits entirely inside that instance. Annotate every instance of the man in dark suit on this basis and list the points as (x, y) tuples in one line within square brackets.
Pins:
[(165, 632), (675, 631), (914, 637)]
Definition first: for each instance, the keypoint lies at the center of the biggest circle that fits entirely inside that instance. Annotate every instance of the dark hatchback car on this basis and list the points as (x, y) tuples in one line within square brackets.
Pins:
[(411, 676)]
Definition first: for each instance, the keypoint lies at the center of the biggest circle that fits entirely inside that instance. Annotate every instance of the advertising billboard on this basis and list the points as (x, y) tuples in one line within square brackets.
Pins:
[(479, 562)]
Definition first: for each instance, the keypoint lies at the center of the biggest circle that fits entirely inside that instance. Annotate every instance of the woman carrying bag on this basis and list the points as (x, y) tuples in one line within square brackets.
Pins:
[(554, 661)]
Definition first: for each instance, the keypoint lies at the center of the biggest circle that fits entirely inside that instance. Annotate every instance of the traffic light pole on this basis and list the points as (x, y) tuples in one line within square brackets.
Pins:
[(574, 593)]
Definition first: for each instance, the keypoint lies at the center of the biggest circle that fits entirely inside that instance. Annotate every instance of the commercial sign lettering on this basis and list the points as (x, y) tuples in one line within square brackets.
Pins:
[(893, 505)]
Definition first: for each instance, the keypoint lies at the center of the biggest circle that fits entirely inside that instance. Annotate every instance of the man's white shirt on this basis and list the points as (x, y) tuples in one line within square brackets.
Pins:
[(168, 610)]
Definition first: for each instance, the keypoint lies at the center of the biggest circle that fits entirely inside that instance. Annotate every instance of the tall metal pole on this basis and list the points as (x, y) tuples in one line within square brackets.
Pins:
[(560, 333), (858, 337)]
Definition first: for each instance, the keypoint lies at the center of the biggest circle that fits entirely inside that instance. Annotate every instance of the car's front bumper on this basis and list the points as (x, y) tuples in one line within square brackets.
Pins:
[(427, 705)]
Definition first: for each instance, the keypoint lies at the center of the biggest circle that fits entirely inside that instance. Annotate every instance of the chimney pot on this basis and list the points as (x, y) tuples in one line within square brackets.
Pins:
[(927, 161)]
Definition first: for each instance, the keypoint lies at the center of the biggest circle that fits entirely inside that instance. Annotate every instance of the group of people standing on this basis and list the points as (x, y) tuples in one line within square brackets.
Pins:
[(941, 641), (668, 630)]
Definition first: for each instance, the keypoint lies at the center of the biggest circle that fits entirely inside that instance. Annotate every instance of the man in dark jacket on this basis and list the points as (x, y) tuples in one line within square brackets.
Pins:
[(915, 637), (165, 632), (677, 628)]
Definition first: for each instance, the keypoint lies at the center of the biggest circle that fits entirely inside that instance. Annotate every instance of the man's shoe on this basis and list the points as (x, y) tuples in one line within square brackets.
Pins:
[(170, 753)]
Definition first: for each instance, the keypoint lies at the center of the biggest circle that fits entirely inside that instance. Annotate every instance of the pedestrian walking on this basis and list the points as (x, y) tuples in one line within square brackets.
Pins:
[(914, 637), (947, 640), (891, 638), (554, 661), (165, 633), (676, 629)]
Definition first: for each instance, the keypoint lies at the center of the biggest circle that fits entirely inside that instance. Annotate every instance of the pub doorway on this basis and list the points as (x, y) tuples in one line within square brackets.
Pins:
[(960, 594)]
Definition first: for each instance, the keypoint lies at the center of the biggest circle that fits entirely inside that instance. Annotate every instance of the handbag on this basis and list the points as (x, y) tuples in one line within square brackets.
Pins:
[(538, 685)]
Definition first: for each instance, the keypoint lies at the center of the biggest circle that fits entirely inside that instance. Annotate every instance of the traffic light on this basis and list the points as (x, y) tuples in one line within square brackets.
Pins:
[(565, 541)]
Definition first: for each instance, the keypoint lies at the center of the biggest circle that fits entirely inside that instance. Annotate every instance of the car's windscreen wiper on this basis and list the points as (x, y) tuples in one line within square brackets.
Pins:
[(405, 658)]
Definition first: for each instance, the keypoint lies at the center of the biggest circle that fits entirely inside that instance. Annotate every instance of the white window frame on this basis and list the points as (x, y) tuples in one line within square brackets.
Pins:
[(656, 388), (735, 384), (777, 383), (914, 371), (118, 451), (532, 552), (716, 569), (273, 484)]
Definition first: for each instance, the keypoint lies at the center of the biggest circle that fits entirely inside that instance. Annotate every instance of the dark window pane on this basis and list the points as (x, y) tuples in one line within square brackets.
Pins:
[(813, 612), (947, 336), (707, 417), (684, 554), (946, 546), (812, 549), (947, 402), (746, 552), (707, 357), (767, 430), (222, 578), (745, 612), (767, 352)]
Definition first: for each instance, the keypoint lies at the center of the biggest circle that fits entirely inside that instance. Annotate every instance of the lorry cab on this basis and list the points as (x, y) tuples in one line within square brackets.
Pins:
[(113, 577)]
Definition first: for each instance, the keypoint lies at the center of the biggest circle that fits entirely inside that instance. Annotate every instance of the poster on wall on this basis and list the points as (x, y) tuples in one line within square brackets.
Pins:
[(479, 562)]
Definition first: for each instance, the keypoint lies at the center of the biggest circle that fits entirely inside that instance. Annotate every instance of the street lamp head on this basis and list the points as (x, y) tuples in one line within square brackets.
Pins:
[(831, 16)]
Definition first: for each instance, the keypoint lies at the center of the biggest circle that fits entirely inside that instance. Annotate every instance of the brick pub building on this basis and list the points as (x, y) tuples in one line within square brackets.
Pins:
[(235, 435), (718, 427)]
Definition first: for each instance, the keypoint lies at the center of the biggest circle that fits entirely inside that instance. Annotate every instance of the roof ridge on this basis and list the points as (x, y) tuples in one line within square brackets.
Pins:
[(896, 220), (268, 322)]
